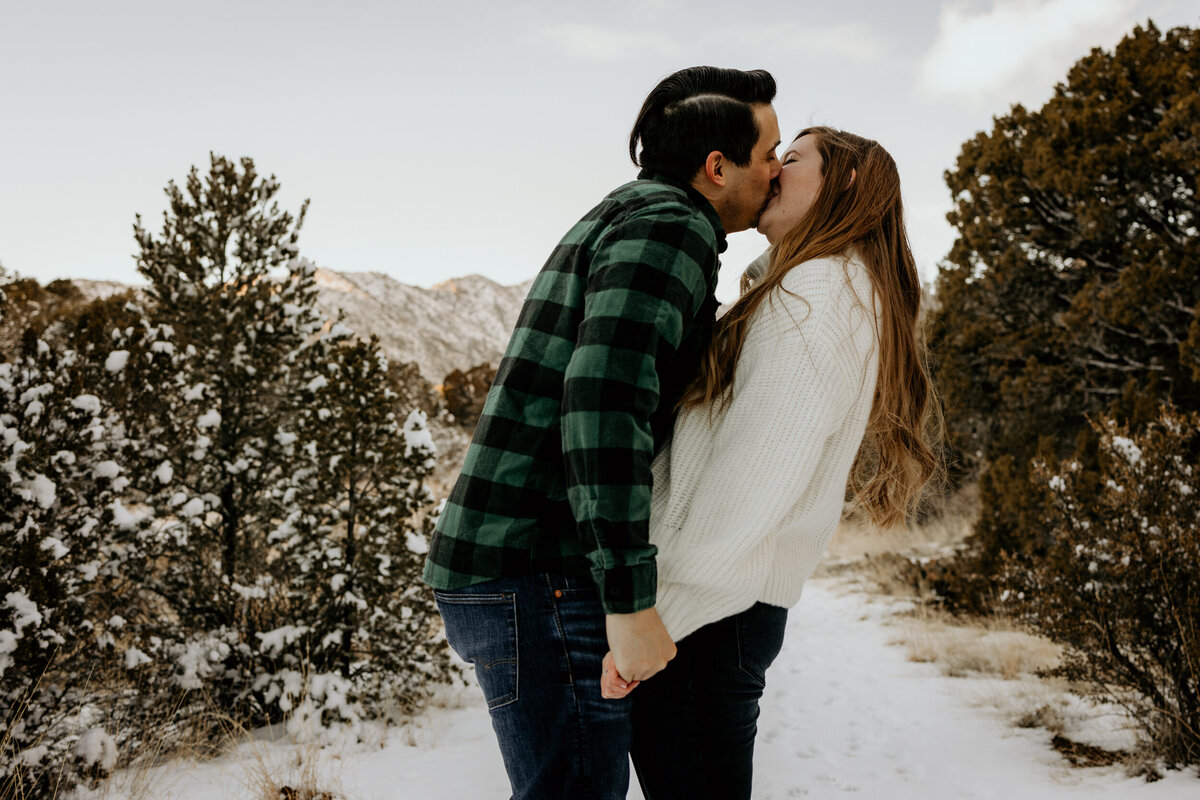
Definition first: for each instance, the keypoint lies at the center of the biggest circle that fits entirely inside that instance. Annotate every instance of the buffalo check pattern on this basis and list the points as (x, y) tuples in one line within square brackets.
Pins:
[(557, 476)]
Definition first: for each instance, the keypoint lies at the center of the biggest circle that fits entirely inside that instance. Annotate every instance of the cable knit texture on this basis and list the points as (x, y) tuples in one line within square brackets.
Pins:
[(746, 500)]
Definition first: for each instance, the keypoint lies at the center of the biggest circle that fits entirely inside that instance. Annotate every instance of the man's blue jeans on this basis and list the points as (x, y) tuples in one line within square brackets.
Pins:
[(537, 643)]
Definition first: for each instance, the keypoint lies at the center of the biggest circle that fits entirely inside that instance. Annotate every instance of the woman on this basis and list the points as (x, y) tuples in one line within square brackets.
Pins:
[(814, 389)]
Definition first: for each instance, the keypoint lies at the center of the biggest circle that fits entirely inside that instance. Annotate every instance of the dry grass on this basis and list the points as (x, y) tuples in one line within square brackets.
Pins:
[(165, 739), (858, 546), (304, 772), (992, 646), (880, 560)]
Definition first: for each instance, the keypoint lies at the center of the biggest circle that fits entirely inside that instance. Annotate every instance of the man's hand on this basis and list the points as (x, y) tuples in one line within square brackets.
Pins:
[(639, 643)]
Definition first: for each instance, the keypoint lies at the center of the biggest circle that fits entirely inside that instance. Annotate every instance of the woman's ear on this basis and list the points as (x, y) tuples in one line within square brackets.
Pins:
[(853, 175)]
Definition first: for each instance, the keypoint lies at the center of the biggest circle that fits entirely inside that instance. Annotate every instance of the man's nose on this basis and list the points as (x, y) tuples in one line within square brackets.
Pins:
[(776, 168)]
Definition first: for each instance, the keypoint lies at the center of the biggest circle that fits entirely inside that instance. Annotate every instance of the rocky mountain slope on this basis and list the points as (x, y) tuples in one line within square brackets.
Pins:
[(455, 324)]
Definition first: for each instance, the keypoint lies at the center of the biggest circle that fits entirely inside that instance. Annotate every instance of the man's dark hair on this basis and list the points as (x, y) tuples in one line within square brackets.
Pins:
[(695, 111)]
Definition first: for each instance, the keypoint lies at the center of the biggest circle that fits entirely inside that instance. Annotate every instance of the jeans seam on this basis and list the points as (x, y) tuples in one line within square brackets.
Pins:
[(516, 659), (581, 743), (467, 599), (737, 629), (516, 649)]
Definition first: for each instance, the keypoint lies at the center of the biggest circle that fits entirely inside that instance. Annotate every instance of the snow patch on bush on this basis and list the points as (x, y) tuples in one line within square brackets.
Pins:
[(116, 360)]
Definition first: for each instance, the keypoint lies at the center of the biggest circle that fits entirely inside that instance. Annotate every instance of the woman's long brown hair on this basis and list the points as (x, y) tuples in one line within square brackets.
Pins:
[(857, 211)]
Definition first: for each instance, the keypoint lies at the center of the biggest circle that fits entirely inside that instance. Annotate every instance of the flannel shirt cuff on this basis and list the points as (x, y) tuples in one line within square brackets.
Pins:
[(624, 590)]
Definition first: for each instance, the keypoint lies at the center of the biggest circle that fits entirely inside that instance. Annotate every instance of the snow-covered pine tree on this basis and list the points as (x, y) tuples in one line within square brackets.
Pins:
[(225, 275), (350, 548), (68, 534), (148, 381)]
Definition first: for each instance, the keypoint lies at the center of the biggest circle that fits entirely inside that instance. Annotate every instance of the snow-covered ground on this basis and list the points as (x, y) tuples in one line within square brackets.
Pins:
[(846, 713)]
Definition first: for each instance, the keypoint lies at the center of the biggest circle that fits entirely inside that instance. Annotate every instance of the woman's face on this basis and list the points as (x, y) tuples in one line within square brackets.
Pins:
[(799, 182)]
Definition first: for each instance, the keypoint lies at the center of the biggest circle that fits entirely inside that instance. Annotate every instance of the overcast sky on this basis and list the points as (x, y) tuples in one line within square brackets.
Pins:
[(442, 138)]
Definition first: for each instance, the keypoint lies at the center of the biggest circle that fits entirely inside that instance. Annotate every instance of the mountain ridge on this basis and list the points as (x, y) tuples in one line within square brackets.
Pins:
[(454, 324)]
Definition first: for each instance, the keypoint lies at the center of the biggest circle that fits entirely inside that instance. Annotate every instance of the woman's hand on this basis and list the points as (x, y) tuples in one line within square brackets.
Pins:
[(612, 685), (639, 643)]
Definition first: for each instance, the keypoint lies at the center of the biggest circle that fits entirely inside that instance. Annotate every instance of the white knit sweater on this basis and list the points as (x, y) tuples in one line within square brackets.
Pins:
[(744, 504)]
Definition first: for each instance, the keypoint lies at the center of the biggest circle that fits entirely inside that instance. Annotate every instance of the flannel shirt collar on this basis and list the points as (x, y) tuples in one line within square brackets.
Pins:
[(699, 200)]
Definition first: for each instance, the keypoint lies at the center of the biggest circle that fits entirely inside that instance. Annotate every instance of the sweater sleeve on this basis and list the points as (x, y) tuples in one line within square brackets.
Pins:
[(795, 385), (646, 284)]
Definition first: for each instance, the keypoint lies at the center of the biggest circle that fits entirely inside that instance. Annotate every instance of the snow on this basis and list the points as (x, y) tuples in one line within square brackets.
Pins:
[(123, 518), (24, 611), (194, 664), (318, 383), (164, 473), (96, 746), (417, 435), (106, 469), (55, 546), (416, 543), (1127, 449), (8, 646), (33, 756), (845, 714), (134, 658), (273, 642), (87, 402), (45, 491), (194, 508), (211, 419), (34, 392), (116, 360)]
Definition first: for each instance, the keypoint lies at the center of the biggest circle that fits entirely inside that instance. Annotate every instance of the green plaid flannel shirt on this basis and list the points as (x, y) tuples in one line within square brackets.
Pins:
[(557, 476)]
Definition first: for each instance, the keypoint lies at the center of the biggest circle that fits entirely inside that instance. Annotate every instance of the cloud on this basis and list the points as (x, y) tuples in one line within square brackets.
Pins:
[(606, 44), (852, 41), (1018, 48)]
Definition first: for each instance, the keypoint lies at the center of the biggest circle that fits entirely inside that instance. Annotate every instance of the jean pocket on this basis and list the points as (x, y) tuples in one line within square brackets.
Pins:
[(482, 629), (759, 639)]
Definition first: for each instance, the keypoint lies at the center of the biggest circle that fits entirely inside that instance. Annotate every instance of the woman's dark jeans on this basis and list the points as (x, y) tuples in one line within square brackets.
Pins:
[(537, 643), (694, 723)]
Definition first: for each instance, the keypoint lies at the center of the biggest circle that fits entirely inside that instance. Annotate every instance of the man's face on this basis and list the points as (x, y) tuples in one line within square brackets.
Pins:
[(748, 188)]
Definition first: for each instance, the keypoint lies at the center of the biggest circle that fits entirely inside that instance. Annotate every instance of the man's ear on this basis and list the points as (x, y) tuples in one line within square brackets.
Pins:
[(714, 168)]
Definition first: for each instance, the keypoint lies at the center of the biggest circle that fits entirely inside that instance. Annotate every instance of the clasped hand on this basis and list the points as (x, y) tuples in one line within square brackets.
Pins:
[(639, 648)]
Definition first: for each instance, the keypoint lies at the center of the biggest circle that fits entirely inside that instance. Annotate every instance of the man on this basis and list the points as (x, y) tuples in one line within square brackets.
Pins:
[(541, 561)]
